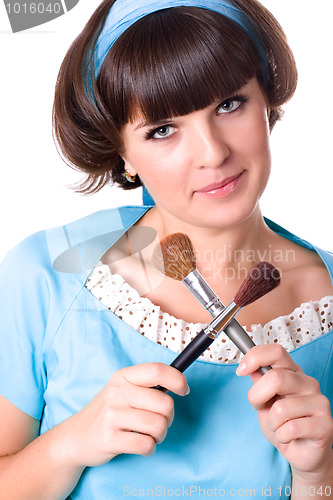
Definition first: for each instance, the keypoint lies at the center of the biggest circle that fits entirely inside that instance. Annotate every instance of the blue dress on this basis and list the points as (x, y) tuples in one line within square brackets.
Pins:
[(60, 346)]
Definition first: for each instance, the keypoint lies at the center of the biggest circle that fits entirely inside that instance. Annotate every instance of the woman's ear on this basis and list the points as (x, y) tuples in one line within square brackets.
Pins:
[(128, 167), (129, 172)]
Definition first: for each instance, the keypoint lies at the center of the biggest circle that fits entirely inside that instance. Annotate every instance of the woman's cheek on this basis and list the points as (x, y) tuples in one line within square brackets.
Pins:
[(258, 142)]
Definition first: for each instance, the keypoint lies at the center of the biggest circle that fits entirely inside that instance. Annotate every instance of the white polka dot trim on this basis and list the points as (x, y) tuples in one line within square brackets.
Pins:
[(306, 323)]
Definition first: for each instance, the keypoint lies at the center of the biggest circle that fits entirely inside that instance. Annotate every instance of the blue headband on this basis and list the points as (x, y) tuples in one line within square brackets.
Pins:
[(124, 13)]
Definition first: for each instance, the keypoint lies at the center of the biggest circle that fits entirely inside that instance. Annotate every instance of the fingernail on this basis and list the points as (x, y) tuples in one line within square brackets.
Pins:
[(241, 368), (187, 391)]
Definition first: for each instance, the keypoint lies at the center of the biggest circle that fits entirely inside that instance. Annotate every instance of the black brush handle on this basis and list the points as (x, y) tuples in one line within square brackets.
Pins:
[(191, 352)]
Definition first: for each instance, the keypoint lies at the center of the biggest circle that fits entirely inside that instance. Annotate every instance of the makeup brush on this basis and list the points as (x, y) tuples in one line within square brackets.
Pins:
[(176, 259), (262, 279)]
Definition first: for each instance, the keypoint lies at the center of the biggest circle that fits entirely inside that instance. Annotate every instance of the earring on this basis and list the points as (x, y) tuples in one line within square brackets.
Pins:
[(129, 177)]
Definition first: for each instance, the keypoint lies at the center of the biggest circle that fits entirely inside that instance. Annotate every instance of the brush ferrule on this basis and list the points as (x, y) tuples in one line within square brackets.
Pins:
[(203, 292), (222, 320)]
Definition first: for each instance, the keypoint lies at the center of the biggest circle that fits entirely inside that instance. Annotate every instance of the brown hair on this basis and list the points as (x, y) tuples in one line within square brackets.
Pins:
[(169, 63)]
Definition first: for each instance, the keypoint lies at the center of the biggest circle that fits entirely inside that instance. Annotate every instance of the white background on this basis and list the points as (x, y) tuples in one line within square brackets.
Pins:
[(34, 191)]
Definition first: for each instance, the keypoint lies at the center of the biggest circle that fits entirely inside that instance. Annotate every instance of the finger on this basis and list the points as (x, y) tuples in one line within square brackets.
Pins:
[(148, 399), (264, 355), (134, 443), (255, 377), (152, 374), (314, 428), (281, 382), (144, 422), (286, 409)]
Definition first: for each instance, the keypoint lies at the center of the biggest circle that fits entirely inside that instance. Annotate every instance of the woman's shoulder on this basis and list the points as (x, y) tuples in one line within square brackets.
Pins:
[(307, 269), (26, 256), (312, 273), (42, 248)]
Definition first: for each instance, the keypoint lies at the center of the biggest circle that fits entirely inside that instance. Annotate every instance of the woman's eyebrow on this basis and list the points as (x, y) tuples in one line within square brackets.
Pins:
[(149, 123)]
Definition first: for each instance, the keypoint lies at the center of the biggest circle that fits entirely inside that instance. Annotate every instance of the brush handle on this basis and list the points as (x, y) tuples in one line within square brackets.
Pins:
[(202, 341), (191, 352), (199, 287), (241, 339)]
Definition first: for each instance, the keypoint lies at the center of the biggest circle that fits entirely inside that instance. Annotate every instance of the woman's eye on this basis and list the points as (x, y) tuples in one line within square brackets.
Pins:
[(161, 132), (230, 105)]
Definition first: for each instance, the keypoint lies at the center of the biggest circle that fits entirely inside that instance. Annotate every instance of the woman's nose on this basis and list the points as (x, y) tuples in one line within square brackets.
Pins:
[(209, 147)]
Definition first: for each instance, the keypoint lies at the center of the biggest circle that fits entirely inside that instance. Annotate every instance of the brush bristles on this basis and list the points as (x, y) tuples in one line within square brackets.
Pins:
[(262, 278), (174, 256)]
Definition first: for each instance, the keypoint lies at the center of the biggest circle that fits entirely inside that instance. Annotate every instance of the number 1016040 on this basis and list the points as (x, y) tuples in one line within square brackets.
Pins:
[(33, 8), (306, 491)]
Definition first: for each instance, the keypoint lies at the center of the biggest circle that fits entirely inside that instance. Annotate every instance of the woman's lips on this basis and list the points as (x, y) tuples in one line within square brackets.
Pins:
[(223, 188)]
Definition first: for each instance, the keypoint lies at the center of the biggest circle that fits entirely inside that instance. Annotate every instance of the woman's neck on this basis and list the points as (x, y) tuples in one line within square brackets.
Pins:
[(220, 252)]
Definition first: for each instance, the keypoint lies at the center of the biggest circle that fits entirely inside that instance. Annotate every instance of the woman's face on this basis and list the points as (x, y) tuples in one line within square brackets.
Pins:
[(208, 168)]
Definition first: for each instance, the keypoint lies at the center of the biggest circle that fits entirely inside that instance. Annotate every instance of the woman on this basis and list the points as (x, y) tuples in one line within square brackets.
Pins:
[(181, 97)]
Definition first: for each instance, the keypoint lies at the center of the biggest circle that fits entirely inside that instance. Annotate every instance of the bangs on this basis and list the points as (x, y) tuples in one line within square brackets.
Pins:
[(174, 62)]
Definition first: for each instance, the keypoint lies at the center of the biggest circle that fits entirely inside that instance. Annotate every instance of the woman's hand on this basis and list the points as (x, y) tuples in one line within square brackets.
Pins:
[(293, 414), (126, 416)]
